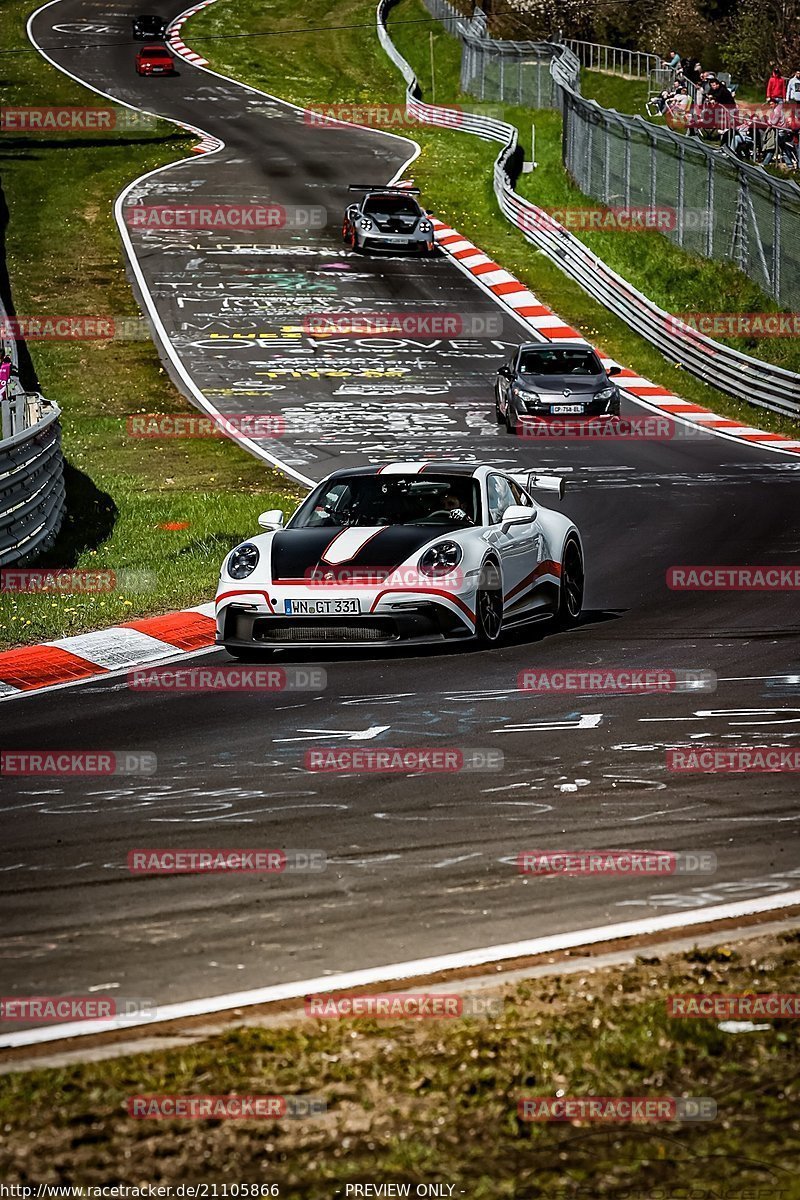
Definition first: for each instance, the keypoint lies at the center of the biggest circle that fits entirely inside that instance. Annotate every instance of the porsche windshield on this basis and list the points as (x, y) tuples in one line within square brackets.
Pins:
[(449, 501), (559, 362), (390, 206)]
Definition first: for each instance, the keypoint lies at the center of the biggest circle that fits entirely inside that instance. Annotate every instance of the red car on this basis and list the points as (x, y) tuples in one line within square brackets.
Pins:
[(154, 60)]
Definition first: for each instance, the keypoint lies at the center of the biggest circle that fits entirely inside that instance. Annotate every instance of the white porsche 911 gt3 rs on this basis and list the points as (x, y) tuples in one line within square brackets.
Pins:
[(406, 552)]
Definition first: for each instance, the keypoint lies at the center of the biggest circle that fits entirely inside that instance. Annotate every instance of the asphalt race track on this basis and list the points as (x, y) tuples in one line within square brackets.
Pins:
[(417, 865)]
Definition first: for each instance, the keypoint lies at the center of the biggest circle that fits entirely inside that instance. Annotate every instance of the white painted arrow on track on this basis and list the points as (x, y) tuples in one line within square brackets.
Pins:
[(350, 735), (584, 721)]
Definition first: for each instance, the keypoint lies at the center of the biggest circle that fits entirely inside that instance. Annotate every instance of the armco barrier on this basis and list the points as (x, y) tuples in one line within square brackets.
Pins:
[(738, 374), (32, 495)]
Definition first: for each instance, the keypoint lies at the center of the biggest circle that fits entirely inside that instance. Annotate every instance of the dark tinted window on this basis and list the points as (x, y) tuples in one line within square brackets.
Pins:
[(450, 501), (577, 361), (391, 206)]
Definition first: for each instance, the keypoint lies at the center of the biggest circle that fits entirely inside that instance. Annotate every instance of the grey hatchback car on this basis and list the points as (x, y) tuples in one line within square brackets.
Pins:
[(543, 380)]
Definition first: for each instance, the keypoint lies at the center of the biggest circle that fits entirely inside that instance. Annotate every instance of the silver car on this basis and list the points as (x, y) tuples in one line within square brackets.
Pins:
[(387, 218)]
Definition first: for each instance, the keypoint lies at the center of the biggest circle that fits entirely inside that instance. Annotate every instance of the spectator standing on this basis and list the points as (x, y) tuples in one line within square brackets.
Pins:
[(793, 89), (673, 62), (776, 85), (5, 375)]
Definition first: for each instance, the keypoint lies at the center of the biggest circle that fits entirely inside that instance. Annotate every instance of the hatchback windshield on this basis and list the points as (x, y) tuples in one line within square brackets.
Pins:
[(446, 500), (559, 362)]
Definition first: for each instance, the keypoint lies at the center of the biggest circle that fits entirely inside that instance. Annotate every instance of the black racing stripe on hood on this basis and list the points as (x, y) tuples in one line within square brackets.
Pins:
[(296, 553)]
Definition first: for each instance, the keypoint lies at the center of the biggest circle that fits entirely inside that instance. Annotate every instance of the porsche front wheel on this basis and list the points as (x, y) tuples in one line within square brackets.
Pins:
[(570, 596), (489, 607)]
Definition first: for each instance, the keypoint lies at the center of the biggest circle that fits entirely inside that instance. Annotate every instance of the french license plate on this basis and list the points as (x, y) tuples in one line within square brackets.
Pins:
[(566, 408), (321, 608)]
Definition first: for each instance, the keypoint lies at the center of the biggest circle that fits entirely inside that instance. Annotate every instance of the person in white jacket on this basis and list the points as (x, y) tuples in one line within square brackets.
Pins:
[(793, 88)]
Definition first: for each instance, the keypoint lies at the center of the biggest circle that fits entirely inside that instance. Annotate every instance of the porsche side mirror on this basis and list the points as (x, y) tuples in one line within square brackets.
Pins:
[(518, 514), (272, 519), (504, 371), (614, 371)]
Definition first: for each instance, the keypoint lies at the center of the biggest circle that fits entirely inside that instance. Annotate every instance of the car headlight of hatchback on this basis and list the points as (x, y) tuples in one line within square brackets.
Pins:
[(365, 223), (605, 394), (524, 396), (243, 561), (441, 558)]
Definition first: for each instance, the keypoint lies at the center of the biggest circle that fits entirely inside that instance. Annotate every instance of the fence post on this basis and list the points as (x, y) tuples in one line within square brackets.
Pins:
[(587, 187), (681, 193), (627, 166), (606, 165), (710, 208), (776, 245)]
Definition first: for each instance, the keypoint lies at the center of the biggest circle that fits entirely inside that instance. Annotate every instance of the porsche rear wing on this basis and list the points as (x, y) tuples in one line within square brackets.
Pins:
[(382, 187), (540, 483)]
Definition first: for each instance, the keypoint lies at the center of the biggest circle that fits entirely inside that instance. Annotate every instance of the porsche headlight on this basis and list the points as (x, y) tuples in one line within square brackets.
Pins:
[(243, 561), (365, 223), (441, 558), (605, 394), (425, 225)]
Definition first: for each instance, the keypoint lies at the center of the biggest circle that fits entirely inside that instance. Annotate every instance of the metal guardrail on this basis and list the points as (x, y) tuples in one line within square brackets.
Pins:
[(746, 378), (32, 491), (636, 64)]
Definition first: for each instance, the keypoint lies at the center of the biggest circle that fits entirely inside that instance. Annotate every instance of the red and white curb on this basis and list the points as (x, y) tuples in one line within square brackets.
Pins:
[(95, 655), (207, 144), (174, 37), (543, 321)]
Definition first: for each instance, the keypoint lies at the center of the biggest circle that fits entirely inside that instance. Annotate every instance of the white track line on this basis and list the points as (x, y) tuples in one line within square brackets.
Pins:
[(414, 968)]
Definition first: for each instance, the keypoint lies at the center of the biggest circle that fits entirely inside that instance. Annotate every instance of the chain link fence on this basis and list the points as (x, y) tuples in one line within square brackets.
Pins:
[(721, 208)]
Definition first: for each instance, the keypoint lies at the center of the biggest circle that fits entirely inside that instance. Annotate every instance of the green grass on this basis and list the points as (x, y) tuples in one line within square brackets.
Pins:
[(614, 91), (455, 172), (64, 257), (436, 1101)]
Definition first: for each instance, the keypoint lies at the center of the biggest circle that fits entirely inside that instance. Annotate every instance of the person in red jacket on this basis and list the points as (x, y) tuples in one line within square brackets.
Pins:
[(776, 85)]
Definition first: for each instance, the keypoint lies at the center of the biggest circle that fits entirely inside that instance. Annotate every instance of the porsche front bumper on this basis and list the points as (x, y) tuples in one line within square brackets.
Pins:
[(394, 620)]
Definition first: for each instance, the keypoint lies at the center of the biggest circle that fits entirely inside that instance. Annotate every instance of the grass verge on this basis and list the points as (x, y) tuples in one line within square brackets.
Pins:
[(163, 511), (423, 1101), (455, 170)]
